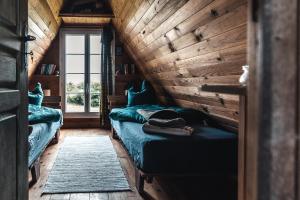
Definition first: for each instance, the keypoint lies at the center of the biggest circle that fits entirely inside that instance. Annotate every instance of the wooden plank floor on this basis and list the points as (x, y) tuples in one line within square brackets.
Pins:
[(160, 189)]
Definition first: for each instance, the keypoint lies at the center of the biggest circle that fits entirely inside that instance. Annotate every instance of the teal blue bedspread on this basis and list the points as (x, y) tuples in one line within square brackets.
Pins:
[(43, 114), (130, 114)]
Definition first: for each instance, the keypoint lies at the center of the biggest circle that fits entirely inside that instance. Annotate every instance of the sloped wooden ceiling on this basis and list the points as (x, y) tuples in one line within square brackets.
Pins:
[(86, 12), (45, 18), (43, 23), (180, 45)]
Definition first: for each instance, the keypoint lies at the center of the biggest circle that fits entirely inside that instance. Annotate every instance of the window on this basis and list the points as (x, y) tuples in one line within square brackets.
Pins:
[(81, 57)]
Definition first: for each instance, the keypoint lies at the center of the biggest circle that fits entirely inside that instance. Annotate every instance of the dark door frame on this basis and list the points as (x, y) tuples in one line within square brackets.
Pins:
[(272, 170)]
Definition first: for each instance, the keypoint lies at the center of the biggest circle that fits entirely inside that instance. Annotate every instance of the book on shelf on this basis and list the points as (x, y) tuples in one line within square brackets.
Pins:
[(48, 69), (132, 68), (126, 69)]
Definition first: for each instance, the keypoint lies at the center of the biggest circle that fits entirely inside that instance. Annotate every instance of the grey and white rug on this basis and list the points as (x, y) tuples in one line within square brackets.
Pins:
[(86, 164)]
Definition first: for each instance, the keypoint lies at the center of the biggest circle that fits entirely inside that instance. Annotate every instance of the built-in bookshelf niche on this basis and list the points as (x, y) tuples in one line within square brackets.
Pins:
[(50, 83)]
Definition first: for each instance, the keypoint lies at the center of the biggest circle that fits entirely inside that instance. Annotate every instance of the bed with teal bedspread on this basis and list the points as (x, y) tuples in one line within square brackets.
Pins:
[(208, 151), (45, 123)]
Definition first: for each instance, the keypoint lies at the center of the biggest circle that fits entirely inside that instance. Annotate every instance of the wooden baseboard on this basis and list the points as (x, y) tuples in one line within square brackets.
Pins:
[(81, 123)]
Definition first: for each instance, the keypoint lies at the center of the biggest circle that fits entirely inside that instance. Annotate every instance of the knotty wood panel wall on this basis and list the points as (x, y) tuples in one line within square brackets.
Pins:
[(43, 23), (180, 45)]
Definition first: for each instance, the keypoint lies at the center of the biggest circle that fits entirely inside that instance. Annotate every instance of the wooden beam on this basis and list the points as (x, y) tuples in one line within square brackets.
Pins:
[(97, 15), (272, 132)]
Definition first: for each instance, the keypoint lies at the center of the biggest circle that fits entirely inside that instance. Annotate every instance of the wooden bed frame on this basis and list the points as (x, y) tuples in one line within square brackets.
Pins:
[(35, 169), (142, 177)]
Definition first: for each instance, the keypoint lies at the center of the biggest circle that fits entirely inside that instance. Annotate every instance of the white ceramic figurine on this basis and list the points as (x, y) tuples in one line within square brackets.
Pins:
[(244, 76)]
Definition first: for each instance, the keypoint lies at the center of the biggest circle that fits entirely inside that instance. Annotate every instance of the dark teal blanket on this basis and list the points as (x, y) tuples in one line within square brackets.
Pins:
[(42, 114), (207, 151), (130, 114)]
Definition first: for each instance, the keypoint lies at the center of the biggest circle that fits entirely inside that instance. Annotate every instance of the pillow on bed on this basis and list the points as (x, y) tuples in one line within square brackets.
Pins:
[(130, 114), (143, 97), (36, 96), (127, 114), (146, 85)]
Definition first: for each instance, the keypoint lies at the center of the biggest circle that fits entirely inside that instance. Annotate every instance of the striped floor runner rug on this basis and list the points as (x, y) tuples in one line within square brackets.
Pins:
[(86, 164)]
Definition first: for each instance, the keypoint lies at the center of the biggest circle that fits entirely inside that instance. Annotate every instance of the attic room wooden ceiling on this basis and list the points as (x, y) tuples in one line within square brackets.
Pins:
[(46, 16), (179, 45)]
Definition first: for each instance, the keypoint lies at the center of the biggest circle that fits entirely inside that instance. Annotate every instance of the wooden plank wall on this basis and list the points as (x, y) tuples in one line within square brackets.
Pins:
[(43, 23), (180, 45)]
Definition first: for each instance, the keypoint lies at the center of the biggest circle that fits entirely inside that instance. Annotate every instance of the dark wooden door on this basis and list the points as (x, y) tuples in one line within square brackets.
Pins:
[(13, 101)]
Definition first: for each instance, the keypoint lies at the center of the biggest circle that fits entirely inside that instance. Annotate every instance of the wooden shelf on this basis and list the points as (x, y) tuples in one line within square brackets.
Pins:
[(52, 99), (225, 89), (38, 76)]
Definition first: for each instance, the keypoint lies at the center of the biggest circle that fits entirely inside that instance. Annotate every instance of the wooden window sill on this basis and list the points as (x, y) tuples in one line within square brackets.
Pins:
[(83, 116)]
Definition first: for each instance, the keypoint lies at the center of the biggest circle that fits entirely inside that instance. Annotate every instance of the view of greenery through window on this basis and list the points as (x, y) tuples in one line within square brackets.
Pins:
[(78, 98), (82, 65)]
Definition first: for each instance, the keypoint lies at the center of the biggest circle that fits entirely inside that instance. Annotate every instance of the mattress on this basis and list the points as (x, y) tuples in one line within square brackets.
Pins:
[(40, 137), (208, 150)]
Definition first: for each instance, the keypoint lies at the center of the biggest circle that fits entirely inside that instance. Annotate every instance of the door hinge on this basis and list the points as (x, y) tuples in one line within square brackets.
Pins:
[(29, 38)]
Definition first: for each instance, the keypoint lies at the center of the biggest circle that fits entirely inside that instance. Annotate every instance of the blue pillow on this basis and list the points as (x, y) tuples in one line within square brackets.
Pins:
[(143, 97), (145, 85), (36, 96), (140, 98)]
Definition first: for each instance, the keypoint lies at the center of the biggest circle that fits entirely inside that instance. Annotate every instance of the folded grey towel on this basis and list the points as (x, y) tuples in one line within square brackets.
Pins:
[(171, 123), (185, 131)]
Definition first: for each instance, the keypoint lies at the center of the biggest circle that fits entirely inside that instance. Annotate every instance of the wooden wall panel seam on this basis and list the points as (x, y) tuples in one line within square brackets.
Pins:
[(196, 32), (181, 45)]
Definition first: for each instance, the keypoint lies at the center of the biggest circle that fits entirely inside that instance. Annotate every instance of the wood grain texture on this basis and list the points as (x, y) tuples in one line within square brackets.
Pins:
[(85, 20), (181, 45), (8, 156), (9, 99), (43, 23), (273, 130), (13, 101)]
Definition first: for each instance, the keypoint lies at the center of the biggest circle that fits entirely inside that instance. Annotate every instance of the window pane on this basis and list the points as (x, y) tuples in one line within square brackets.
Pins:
[(75, 102), (95, 102), (75, 83), (75, 44), (95, 41), (74, 63), (95, 63), (95, 83)]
